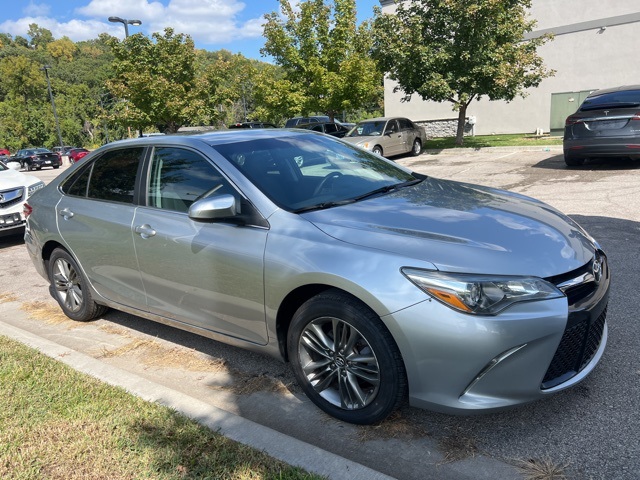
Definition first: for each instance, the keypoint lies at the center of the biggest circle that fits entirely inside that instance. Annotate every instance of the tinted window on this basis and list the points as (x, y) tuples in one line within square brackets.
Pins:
[(178, 177), (77, 183), (113, 176), (621, 99), (405, 124), (330, 128)]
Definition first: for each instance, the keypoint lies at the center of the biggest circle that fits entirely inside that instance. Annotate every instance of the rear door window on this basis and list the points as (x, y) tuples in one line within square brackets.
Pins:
[(113, 176)]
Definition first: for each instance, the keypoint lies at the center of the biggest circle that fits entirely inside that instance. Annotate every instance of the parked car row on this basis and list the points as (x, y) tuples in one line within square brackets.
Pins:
[(384, 136), (15, 189)]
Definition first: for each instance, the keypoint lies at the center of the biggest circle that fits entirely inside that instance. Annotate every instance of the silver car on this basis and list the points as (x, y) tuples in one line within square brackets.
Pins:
[(388, 136), (374, 282)]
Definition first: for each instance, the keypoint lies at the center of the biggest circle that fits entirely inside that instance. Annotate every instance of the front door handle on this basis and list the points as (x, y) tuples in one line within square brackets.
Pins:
[(66, 213), (145, 231)]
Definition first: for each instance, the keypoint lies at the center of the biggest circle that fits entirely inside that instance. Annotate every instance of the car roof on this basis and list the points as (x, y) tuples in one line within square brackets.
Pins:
[(218, 137), (621, 88)]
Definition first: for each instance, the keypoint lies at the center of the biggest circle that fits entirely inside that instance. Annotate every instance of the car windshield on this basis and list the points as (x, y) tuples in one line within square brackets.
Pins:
[(621, 99), (367, 129), (41, 150), (3, 167), (307, 171)]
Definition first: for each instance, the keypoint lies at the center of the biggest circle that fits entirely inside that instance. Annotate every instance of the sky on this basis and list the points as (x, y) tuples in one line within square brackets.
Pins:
[(235, 25)]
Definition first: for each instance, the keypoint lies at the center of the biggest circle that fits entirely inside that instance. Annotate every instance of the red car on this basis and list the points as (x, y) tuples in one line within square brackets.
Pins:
[(76, 154)]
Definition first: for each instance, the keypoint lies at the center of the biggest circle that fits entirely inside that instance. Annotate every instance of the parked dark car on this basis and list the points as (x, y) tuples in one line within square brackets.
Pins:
[(607, 125), (62, 151), (252, 125), (294, 122), (76, 154), (375, 282), (36, 158), (330, 128)]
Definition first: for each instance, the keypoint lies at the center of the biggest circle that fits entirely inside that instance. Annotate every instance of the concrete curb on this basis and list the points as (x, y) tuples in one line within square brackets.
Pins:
[(280, 446)]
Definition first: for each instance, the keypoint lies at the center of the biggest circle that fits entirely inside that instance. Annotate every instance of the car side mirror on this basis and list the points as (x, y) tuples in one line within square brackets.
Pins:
[(214, 208)]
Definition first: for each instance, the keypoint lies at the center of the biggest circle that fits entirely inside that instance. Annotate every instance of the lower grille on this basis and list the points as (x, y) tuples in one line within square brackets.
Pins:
[(577, 348)]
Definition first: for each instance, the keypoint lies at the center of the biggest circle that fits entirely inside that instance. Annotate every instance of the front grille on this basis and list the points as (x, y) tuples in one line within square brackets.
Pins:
[(577, 348), (9, 198)]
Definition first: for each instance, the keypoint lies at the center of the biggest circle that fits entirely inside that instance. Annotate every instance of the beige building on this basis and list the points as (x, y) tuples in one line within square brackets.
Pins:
[(596, 45)]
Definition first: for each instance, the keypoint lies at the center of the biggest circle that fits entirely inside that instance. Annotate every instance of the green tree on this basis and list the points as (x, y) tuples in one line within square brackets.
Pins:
[(157, 79), (459, 50), (40, 36), (323, 54)]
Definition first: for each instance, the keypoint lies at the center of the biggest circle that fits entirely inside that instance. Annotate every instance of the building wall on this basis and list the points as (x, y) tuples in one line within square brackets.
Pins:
[(585, 57)]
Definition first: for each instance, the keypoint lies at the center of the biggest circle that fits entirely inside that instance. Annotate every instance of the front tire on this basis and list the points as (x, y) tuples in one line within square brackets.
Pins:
[(345, 359), (377, 150), (70, 288)]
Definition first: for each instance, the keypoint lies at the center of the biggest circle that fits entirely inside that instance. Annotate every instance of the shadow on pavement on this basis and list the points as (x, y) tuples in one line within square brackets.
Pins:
[(556, 162)]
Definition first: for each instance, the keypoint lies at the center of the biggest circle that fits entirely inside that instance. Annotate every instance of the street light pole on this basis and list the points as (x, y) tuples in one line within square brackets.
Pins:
[(53, 103), (126, 23)]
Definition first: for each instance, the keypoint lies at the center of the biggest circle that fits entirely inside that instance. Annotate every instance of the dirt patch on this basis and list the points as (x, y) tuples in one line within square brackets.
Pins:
[(48, 313)]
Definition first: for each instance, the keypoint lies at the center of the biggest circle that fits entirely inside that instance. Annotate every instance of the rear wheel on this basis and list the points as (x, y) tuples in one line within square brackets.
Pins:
[(417, 147), (345, 359), (70, 288), (573, 161)]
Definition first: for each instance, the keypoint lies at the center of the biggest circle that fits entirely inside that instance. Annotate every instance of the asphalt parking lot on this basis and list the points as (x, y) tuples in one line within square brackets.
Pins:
[(590, 432)]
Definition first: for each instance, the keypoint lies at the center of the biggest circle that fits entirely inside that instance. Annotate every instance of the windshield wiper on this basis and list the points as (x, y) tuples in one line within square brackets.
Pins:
[(323, 205), (387, 188)]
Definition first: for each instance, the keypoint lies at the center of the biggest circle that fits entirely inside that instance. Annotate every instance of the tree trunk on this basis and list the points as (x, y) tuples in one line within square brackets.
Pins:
[(462, 119)]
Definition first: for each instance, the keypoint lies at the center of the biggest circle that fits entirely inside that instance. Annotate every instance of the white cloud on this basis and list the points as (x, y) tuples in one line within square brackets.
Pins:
[(36, 9)]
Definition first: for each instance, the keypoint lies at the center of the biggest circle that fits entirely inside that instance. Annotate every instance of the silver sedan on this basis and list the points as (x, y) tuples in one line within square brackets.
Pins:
[(376, 283), (388, 136)]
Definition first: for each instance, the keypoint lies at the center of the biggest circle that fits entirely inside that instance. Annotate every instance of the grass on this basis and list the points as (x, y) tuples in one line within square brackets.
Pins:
[(480, 141), (60, 424)]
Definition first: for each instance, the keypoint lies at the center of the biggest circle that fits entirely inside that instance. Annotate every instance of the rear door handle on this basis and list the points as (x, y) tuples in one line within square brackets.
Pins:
[(66, 213), (145, 231)]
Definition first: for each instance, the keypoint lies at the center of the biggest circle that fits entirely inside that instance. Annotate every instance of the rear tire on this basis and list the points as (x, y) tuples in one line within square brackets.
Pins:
[(573, 161), (70, 288), (345, 359), (417, 148)]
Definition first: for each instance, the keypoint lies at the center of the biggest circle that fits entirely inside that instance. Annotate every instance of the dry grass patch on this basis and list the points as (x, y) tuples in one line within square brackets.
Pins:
[(245, 384), (8, 297), (153, 354), (395, 426), (542, 469), (457, 447), (49, 313)]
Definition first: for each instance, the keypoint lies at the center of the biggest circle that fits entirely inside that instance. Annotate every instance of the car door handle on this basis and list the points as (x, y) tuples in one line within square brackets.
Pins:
[(66, 213), (145, 231)]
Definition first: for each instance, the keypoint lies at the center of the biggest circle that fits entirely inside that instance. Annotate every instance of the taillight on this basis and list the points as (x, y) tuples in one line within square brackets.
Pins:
[(636, 116), (571, 120), (26, 210)]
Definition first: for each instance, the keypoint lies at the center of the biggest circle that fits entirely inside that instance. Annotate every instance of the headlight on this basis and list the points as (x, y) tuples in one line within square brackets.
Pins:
[(32, 188), (364, 145), (481, 294)]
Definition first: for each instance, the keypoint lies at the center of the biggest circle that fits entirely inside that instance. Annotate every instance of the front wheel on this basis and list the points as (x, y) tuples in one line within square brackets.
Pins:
[(70, 288), (345, 359), (377, 150)]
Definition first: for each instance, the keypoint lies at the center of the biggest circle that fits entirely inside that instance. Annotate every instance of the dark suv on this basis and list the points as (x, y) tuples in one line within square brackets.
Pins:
[(252, 125), (607, 124), (330, 128), (294, 122)]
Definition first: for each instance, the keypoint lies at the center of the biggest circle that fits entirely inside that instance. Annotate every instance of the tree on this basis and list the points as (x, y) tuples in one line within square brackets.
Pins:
[(459, 50), (157, 78), (324, 55)]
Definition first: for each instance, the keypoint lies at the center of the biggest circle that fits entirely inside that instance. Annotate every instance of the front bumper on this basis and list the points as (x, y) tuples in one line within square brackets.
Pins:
[(458, 363)]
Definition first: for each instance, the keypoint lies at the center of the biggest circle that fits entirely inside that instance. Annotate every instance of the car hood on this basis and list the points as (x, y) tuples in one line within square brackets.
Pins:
[(12, 178), (362, 139), (462, 228)]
